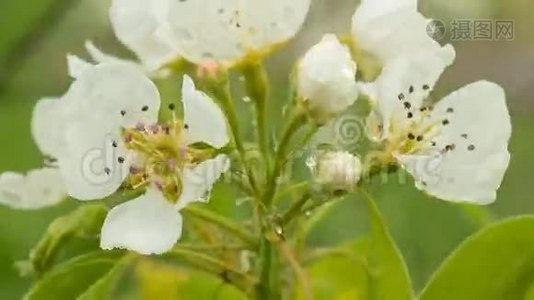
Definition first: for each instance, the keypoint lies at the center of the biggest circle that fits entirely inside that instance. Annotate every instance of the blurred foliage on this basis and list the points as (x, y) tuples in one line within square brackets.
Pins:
[(36, 34)]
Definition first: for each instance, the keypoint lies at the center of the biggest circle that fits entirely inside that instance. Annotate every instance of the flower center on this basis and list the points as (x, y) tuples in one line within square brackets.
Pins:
[(159, 155)]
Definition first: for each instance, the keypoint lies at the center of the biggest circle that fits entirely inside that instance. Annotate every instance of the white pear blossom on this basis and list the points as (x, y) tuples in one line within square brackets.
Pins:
[(455, 150), (336, 170), (37, 189), (327, 79), (105, 135)]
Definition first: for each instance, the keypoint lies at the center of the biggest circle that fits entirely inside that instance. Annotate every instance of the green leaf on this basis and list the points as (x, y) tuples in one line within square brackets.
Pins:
[(70, 279), (495, 263), (387, 269), (337, 274), (84, 221), (105, 286)]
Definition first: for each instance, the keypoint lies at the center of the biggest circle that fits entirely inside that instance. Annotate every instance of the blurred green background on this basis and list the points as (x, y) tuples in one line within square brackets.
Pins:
[(35, 35)]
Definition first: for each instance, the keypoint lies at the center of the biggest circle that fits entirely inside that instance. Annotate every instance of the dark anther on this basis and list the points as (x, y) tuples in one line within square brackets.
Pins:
[(410, 115), (172, 106), (434, 144), (114, 144), (144, 108), (120, 159), (107, 170), (450, 147), (186, 126), (446, 122), (426, 87), (464, 135), (422, 109), (123, 113), (471, 147), (411, 89), (401, 96), (450, 110), (411, 136), (420, 138), (407, 105)]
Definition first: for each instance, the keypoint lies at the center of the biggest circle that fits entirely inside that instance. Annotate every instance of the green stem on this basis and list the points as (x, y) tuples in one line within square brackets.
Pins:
[(296, 121), (295, 209), (221, 91), (241, 280), (223, 223), (257, 89), (268, 287)]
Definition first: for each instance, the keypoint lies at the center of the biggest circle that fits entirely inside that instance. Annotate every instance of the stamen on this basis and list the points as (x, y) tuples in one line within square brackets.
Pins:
[(410, 115), (471, 147), (140, 126), (107, 170), (120, 159), (401, 96), (134, 170), (123, 113), (172, 106), (426, 87), (446, 122), (411, 89), (420, 138), (450, 110), (411, 136), (144, 108), (407, 105)]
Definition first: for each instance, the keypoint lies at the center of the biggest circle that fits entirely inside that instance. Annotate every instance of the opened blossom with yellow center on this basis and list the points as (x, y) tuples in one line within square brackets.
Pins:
[(105, 135)]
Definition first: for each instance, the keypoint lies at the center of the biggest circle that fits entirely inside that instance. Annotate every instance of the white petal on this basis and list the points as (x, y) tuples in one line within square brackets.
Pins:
[(147, 225), (77, 65), (390, 28), (40, 188), (204, 119), (326, 77), (47, 121), (101, 95), (407, 79), (372, 9), (197, 182), (108, 89), (136, 23), (88, 162), (228, 29), (479, 129), (100, 57)]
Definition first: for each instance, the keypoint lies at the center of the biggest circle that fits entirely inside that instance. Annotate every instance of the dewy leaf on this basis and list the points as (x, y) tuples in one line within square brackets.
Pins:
[(70, 279), (387, 269), (84, 221), (493, 264)]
